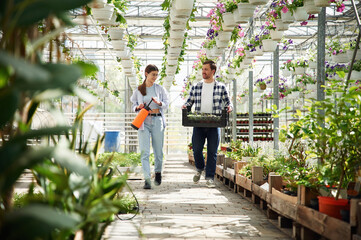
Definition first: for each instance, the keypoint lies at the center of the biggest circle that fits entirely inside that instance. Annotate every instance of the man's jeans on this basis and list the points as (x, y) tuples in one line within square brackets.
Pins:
[(199, 137), (153, 128)]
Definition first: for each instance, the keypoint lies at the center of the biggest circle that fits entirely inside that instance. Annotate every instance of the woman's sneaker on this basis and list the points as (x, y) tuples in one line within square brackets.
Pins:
[(197, 177), (147, 185), (158, 178), (210, 183)]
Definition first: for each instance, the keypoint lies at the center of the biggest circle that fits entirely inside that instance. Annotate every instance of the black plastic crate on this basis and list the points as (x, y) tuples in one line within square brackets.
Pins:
[(190, 120)]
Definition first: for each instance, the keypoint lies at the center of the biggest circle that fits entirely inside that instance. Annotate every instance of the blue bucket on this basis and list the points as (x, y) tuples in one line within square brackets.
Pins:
[(112, 141)]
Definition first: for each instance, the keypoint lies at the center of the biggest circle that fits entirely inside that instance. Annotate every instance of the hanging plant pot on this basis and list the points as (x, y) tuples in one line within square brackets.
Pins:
[(340, 58), (172, 61), (183, 6), (177, 25), (280, 26), (245, 9), (176, 34), (300, 14), (322, 3), (312, 65), (311, 7), (125, 54), (350, 54), (227, 29), (216, 52), (311, 87), (276, 35), (286, 72), (116, 33), (170, 70), (103, 13), (127, 63), (259, 51), (228, 20), (174, 51), (208, 52), (239, 19), (109, 22), (258, 2), (118, 44), (287, 17), (175, 42), (247, 61), (98, 3), (224, 36), (332, 207), (269, 45), (221, 44), (300, 70), (355, 75)]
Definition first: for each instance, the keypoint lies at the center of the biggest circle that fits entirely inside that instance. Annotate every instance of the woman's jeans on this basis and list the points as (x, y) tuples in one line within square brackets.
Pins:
[(200, 134), (153, 127)]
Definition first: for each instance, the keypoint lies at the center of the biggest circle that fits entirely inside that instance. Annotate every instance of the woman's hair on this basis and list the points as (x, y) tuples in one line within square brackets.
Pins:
[(143, 88)]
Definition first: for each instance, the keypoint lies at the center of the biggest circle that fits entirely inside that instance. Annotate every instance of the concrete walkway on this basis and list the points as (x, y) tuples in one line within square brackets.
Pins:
[(180, 209)]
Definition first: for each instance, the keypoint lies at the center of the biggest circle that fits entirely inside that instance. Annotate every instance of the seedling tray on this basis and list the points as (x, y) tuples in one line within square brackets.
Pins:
[(190, 119)]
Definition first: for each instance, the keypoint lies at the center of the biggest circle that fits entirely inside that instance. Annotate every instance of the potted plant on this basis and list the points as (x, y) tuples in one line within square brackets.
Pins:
[(338, 51)]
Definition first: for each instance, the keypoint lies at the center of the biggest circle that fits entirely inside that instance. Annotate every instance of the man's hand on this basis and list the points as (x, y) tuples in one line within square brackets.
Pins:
[(184, 106), (229, 109)]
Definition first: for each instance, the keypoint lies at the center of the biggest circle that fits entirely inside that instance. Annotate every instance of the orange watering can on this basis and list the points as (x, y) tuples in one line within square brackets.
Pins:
[(139, 119)]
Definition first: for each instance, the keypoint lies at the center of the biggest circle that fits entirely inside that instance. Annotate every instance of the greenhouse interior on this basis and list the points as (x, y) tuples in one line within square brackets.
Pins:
[(180, 119)]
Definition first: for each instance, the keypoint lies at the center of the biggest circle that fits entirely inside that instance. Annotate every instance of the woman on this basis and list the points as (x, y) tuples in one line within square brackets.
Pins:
[(154, 125)]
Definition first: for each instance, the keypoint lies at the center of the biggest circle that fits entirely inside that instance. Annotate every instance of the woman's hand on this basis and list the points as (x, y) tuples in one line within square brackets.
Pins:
[(157, 102), (139, 107)]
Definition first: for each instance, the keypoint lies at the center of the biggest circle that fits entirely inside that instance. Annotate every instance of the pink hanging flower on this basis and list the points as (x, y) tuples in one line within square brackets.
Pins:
[(241, 34), (304, 23), (284, 9)]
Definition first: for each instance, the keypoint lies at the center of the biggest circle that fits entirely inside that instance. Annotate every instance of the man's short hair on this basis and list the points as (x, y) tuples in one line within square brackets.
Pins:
[(212, 64)]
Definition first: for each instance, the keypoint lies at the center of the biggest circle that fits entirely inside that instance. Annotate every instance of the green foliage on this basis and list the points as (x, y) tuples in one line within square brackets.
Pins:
[(123, 159)]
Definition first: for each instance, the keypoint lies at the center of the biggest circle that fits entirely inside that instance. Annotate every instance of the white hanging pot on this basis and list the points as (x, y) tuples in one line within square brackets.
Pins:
[(286, 72), (258, 2), (224, 36), (322, 3), (312, 65), (221, 44), (98, 3), (118, 44), (174, 51), (247, 61), (287, 17), (239, 19), (269, 45), (228, 20), (116, 33), (259, 51), (310, 7), (340, 58), (103, 13), (109, 22), (276, 35), (176, 34), (311, 87), (246, 9), (172, 61), (280, 26), (178, 25), (125, 54), (216, 52), (175, 42), (183, 6), (300, 70), (300, 14), (170, 70), (127, 64), (355, 75), (350, 54)]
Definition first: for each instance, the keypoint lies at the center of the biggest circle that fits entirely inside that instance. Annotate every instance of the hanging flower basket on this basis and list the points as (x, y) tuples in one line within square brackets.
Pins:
[(183, 6), (172, 61), (311, 7), (109, 22), (216, 52), (97, 3), (247, 61), (269, 45), (300, 14), (175, 42), (259, 51), (238, 19), (287, 17), (177, 25), (286, 72), (246, 9), (258, 2), (340, 58), (280, 26), (116, 33), (322, 3), (174, 51), (311, 87), (355, 75), (350, 54), (127, 63), (176, 34), (118, 44), (224, 36), (312, 65), (300, 70), (125, 54), (221, 44), (228, 20), (103, 13), (276, 35)]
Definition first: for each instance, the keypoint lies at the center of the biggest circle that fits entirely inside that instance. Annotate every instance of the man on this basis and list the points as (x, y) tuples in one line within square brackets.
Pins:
[(209, 96)]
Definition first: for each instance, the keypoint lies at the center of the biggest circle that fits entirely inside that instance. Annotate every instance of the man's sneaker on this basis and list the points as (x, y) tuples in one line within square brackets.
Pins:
[(147, 185), (210, 183), (158, 178), (197, 177)]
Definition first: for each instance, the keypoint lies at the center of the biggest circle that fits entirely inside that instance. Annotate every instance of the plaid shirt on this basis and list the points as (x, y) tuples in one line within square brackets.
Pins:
[(220, 94)]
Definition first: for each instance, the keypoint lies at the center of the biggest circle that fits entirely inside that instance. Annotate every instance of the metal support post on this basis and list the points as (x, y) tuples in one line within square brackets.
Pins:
[(250, 114), (276, 77), (321, 74), (234, 125)]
